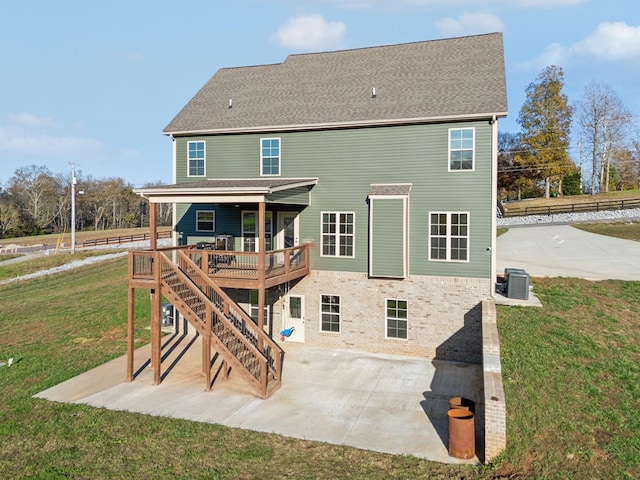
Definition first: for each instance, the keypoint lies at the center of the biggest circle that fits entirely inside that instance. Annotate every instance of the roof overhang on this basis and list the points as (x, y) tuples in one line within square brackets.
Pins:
[(227, 190), (337, 125)]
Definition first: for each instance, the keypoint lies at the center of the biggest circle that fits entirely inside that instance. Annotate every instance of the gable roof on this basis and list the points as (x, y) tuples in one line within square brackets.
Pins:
[(414, 82)]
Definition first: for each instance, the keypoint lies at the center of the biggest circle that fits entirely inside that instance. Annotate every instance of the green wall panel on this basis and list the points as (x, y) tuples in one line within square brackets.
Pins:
[(348, 161), (387, 237)]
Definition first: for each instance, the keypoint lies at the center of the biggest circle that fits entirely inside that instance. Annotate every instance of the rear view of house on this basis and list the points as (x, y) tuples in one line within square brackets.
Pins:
[(343, 199)]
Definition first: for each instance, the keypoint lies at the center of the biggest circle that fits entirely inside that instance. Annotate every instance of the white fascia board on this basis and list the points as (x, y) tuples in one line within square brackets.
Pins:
[(208, 198), (330, 125)]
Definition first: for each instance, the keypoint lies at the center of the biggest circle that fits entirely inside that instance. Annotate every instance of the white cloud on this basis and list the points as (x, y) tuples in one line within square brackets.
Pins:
[(30, 135), (29, 120), (609, 43), (310, 32), (470, 24)]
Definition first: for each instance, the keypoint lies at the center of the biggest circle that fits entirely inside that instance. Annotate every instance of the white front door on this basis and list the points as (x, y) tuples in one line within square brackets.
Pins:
[(293, 320)]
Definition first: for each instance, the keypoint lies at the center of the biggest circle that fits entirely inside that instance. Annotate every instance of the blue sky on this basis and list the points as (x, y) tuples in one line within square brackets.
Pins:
[(96, 82)]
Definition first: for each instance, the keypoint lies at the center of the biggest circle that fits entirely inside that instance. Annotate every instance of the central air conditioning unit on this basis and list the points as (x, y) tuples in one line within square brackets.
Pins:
[(516, 283)]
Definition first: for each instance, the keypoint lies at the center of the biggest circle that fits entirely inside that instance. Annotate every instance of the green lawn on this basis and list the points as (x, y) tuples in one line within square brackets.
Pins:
[(627, 230), (571, 374)]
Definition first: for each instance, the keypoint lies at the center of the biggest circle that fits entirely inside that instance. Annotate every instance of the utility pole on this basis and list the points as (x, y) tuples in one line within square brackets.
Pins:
[(73, 207)]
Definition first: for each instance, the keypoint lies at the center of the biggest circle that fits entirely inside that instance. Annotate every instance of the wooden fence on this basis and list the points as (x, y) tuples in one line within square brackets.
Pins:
[(140, 237), (574, 208)]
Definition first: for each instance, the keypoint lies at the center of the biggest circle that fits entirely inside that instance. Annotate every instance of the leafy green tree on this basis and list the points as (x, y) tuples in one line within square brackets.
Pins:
[(545, 119), (571, 185)]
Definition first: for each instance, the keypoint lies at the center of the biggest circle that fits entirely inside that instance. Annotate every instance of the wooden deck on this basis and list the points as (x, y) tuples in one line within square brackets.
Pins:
[(231, 269)]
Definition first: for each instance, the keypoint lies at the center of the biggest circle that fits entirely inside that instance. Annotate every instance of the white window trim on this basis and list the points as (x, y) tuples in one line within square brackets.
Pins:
[(252, 306), (339, 314), (262, 174), (204, 174), (243, 231), (337, 234), (473, 151), (448, 236), (214, 220), (386, 319)]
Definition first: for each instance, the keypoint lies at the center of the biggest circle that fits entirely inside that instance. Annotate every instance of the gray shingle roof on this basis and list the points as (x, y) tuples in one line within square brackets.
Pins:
[(390, 189), (422, 81)]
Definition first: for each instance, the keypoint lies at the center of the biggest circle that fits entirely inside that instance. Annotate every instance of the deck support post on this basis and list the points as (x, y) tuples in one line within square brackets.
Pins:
[(130, 329), (153, 226), (156, 320), (261, 268), (206, 348)]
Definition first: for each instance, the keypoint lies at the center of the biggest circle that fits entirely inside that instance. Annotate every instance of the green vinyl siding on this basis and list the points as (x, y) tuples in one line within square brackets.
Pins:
[(348, 161), (387, 237), (294, 196)]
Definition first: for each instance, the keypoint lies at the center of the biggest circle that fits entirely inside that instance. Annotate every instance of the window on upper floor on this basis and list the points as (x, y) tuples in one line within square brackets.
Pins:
[(196, 159), (330, 313), (337, 234), (449, 236), (396, 318), (205, 221), (461, 149), (269, 156)]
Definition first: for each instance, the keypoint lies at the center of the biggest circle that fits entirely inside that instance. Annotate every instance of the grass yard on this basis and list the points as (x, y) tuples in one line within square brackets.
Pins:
[(571, 374), (42, 262), (53, 239), (626, 230)]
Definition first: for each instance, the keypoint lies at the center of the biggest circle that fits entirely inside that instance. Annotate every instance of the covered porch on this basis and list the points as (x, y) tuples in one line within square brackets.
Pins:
[(192, 275)]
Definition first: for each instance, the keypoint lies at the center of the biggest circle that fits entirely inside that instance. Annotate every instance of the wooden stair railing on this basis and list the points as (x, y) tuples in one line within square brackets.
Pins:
[(244, 346)]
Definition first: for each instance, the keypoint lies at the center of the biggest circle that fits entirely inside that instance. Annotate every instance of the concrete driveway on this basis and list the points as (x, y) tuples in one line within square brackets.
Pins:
[(565, 251)]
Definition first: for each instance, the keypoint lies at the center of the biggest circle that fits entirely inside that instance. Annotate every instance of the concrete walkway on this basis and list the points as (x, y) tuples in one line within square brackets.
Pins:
[(384, 403), (565, 251)]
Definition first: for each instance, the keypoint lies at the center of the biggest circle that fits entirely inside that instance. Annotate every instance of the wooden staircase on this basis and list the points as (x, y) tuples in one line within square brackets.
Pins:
[(223, 325)]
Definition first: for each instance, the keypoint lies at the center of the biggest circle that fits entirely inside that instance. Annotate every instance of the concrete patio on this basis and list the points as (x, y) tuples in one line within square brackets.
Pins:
[(383, 403)]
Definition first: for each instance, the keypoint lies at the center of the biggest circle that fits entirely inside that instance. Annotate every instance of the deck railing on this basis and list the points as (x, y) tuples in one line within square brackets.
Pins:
[(227, 264)]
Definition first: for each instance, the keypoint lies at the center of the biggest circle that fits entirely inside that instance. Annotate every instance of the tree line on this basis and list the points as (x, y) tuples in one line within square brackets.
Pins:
[(591, 146), (35, 201)]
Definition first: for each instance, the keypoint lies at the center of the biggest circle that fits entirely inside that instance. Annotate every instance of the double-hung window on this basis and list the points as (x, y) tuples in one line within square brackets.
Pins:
[(205, 220), (461, 149), (269, 156), (330, 313), (449, 236), (196, 159), (396, 318), (337, 234)]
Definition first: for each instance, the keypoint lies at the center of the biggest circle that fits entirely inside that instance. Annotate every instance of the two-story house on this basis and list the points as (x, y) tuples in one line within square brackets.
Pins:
[(342, 199)]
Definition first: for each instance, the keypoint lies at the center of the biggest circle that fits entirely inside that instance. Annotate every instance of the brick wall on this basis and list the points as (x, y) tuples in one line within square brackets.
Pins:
[(495, 415), (444, 314)]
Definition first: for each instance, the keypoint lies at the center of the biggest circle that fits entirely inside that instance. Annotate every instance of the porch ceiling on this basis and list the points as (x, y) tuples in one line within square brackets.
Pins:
[(229, 191)]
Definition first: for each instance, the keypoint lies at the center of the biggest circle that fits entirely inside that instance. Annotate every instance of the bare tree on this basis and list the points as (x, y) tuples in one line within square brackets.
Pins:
[(9, 218), (33, 191), (604, 124)]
